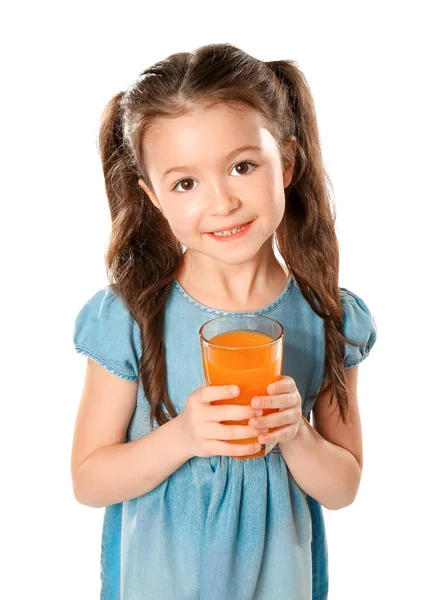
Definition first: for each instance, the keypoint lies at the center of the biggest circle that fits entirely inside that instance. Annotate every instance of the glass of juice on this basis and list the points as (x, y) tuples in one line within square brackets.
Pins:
[(244, 350)]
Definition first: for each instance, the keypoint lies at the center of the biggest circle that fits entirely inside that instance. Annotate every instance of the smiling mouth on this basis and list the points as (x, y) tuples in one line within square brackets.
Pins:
[(234, 234), (231, 231)]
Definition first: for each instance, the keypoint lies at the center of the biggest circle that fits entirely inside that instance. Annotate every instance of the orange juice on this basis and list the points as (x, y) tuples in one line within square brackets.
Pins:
[(250, 359)]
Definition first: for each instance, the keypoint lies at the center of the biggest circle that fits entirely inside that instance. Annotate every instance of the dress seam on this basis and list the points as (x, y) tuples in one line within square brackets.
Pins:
[(212, 311), (90, 354), (358, 360)]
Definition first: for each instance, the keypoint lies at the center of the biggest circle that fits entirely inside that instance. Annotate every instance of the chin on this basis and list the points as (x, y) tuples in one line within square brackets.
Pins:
[(237, 256)]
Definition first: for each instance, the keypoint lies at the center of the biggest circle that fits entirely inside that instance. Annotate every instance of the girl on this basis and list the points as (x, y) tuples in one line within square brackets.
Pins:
[(212, 162)]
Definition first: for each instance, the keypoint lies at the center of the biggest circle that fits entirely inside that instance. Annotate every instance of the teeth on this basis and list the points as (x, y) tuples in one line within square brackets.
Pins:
[(229, 232)]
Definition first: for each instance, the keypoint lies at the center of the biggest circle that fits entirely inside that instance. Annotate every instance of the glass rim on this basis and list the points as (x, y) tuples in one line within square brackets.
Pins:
[(204, 339)]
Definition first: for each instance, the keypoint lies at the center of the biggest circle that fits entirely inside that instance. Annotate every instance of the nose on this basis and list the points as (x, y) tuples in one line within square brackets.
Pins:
[(222, 201)]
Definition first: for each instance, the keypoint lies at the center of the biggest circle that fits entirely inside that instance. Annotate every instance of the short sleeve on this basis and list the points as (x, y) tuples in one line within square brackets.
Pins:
[(359, 326), (106, 332)]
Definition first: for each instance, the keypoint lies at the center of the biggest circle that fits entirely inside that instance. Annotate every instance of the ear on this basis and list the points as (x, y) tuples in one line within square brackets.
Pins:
[(150, 194), (289, 169), (287, 174)]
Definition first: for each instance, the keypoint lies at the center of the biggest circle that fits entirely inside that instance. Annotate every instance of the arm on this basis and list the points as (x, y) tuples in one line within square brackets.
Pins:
[(105, 469), (327, 461)]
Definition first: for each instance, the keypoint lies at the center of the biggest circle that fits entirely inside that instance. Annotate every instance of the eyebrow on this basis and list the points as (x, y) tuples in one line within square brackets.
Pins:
[(229, 155)]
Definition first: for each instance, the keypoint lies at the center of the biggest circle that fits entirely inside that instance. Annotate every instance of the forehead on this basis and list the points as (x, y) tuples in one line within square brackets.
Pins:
[(204, 134)]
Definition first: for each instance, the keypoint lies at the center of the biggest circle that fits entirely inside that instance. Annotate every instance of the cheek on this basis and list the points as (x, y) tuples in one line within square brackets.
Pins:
[(270, 201), (279, 208), (184, 221), (279, 200)]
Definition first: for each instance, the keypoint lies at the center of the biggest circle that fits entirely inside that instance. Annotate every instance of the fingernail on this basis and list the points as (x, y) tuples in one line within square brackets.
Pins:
[(258, 413)]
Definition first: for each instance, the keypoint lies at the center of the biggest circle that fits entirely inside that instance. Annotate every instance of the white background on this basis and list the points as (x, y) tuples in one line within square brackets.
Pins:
[(374, 76)]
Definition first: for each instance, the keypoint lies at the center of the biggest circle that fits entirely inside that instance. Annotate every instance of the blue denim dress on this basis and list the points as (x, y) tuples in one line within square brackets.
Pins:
[(217, 528)]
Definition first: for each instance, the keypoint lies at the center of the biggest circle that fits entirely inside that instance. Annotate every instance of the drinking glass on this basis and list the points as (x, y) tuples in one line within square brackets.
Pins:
[(245, 350)]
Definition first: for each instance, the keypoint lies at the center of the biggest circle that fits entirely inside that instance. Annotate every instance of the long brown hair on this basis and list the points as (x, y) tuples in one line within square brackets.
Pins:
[(144, 256)]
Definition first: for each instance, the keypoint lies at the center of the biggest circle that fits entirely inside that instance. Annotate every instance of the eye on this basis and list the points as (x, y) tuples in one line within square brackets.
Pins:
[(244, 162), (174, 188)]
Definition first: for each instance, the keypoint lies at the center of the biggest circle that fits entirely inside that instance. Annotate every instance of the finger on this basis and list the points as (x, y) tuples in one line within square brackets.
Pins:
[(278, 401), (284, 385), (232, 432), (276, 419), (282, 434), (218, 392), (228, 449), (230, 412)]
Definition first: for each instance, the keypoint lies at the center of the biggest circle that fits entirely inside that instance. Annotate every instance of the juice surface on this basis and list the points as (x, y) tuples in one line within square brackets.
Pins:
[(241, 337), (252, 369)]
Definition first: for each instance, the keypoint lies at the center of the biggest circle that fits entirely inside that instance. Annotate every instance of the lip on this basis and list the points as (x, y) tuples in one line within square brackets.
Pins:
[(234, 236), (229, 228)]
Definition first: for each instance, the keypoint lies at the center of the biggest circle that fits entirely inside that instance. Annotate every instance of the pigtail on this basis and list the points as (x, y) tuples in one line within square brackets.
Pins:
[(142, 257), (307, 239)]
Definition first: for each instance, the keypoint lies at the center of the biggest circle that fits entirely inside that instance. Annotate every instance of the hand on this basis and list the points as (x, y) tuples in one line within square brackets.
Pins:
[(285, 396), (203, 431)]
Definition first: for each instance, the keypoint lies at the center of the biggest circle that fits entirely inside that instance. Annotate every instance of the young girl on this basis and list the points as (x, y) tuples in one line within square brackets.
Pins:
[(212, 162)]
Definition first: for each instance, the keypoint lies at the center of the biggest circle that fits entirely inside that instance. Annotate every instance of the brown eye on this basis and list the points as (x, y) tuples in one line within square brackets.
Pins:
[(185, 182), (182, 182), (247, 162)]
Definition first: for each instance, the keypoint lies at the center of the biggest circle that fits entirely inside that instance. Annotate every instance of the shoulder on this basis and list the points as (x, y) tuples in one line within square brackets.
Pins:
[(105, 330), (107, 300), (351, 298), (107, 307), (358, 325), (105, 310)]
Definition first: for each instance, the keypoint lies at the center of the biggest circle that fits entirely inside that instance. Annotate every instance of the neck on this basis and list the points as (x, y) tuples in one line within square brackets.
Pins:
[(246, 286)]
